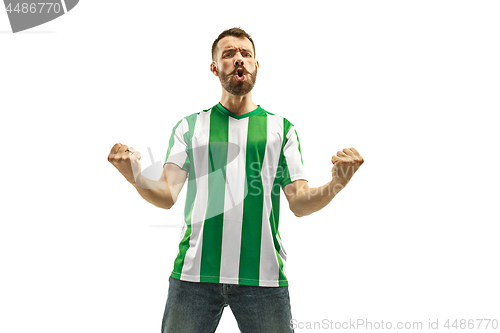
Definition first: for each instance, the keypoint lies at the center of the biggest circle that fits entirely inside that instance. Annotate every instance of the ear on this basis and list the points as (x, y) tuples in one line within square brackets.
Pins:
[(213, 68), (257, 64)]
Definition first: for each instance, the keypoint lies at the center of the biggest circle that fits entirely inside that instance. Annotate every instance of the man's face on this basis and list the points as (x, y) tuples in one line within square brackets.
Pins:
[(235, 65)]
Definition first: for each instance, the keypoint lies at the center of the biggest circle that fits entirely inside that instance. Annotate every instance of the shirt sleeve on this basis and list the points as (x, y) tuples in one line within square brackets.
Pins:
[(291, 163), (178, 147)]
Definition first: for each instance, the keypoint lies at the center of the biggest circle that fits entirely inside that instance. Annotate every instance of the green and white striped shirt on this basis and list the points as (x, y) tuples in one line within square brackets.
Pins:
[(236, 166)]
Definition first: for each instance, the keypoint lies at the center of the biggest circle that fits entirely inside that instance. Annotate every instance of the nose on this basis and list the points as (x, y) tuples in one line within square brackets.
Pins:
[(238, 60)]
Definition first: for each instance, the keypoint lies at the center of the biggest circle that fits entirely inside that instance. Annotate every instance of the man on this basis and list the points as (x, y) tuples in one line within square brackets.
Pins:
[(236, 157)]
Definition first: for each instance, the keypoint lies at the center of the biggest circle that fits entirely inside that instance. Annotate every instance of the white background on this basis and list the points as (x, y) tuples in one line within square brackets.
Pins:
[(412, 85)]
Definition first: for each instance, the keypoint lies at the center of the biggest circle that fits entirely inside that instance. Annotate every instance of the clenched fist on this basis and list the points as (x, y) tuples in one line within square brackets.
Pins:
[(345, 164), (126, 160)]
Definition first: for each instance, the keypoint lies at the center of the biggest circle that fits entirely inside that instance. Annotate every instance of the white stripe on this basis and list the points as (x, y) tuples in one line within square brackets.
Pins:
[(269, 265), (292, 156), (235, 193), (183, 233), (192, 261), (178, 153)]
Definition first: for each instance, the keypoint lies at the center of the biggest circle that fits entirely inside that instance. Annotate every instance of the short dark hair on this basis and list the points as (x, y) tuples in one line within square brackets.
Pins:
[(236, 32)]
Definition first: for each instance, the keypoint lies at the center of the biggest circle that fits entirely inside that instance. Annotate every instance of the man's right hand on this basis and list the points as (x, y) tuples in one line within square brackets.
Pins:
[(126, 160)]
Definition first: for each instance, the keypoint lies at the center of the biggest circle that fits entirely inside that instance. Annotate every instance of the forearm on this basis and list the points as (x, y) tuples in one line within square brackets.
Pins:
[(154, 192), (309, 200)]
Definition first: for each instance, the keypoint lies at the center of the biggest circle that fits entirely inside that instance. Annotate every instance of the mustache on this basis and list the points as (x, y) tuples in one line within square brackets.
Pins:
[(245, 72)]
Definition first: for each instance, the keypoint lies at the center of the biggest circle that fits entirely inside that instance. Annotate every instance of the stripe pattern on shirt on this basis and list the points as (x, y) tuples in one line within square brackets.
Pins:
[(236, 167)]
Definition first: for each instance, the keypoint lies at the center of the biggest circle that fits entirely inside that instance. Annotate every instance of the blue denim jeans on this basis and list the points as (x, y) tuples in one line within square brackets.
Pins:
[(196, 307)]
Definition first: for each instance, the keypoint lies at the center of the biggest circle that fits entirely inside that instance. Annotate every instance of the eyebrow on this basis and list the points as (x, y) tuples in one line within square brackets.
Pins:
[(232, 49)]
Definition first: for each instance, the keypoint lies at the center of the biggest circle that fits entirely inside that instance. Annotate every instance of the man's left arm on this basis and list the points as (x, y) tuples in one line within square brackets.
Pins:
[(304, 200)]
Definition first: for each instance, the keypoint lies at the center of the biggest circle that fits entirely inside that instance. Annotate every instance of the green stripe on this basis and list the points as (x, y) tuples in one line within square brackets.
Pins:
[(213, 225), (300, 152), (287, 125), (171, 141), (253, 203), (283, 173), (282, 278), (275, 213), (274, 221), (190, 196)]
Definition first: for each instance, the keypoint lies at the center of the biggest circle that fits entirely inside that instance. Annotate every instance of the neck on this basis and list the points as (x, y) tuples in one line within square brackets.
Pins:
[(238, 104)]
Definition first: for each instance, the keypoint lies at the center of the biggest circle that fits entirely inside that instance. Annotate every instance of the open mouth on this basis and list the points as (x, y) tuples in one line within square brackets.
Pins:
[(240, 74)]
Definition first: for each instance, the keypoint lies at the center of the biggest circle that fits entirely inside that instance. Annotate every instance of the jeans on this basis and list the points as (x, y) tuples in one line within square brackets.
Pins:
[(196, 307)]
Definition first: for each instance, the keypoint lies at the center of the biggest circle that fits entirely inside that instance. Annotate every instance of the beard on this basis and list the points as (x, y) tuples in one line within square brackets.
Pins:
[(235, 87)]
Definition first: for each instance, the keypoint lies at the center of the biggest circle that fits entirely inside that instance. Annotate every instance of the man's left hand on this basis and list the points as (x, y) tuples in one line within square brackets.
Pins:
[(345, 164)]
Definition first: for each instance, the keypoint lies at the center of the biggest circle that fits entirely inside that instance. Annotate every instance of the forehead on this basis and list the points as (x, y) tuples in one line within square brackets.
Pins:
[(231, 42)]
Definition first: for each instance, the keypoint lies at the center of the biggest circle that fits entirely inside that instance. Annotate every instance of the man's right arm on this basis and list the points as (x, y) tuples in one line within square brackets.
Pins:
[(161, 193), (164, 192)]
